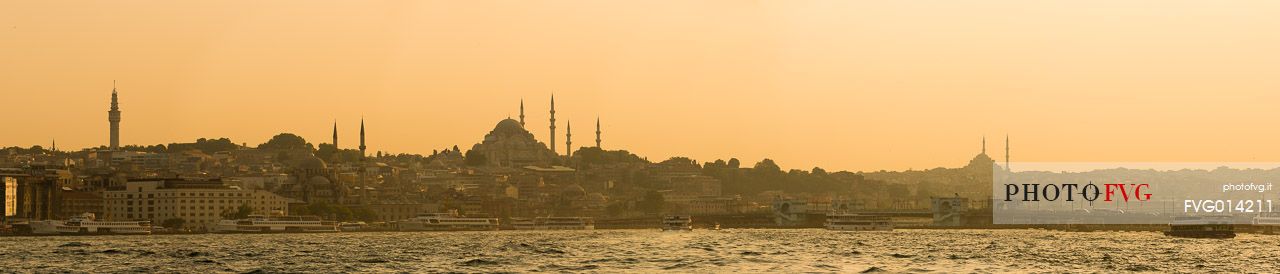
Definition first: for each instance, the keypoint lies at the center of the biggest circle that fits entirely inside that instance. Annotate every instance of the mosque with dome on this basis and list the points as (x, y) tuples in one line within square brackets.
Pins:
[(510, 145)]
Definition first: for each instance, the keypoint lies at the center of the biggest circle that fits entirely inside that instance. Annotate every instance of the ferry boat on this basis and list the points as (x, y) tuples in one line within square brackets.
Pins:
[(46, 227), (356, 226), (677, 223), (1267, 223), (553, 223), (275, 224), (1201, 227), (446, 222), (523, 224), (857, 222), (87, 223), (564, 223)]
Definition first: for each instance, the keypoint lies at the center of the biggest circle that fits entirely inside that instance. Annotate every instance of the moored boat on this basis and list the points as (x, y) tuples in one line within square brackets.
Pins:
[(276, 224), (857, 222), (677, 223), (1267, 224), (446, 222), (87, 223), (1202, 227), (354, 226), (564, 223), (523, 224)]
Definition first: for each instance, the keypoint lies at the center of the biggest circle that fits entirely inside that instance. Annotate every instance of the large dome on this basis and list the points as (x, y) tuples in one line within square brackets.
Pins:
[(508, 127), (311, 163), (318, 180)]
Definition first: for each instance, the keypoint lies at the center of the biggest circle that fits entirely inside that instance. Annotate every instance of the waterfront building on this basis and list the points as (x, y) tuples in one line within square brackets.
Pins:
[(75, 203), (200, 203), (690, 187), (388, 212), (37, 191), (714, 205), (10, 195), (949, 211)]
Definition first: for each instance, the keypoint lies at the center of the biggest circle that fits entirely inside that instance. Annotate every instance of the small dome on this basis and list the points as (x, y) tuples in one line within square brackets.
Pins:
[(575, 189), (596, 198), (318, 180), (311, 163)]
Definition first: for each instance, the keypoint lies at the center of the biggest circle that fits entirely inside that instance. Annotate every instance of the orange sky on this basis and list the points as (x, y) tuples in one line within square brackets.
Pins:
[(858, 85)]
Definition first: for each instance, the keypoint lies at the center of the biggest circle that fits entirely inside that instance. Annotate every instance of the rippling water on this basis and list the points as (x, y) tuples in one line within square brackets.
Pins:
[(741, 250)]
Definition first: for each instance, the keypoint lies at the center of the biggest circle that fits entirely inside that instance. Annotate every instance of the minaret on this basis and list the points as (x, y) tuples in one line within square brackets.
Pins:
[(521, 112), (553, 123), (335, 134), (55, 145), (568, 139), (113, 116), (597, 132), (1006, 152), (984, 145), (362, 147)]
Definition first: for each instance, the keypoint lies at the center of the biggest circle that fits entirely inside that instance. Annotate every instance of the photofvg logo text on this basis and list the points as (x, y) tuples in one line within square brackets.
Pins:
[(1070, 192), (1132, 193)]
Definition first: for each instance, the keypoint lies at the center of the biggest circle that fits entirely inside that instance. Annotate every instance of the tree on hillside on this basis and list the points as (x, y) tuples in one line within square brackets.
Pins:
[(326, 151), (767, 166), (208, 146), (652, 203), (475, 158), (286, 141), (239, 213), (818, 171)]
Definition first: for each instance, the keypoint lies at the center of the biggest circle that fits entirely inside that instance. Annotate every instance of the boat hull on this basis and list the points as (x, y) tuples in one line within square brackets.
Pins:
[(677, 228), (426, 227), (860, 227), (264, 230), (1202, 234)]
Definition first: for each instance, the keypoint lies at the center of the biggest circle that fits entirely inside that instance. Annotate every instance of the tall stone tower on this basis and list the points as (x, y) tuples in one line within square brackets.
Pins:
[(553, 123), (362, 147), (335, 134), (521, 112), (597, 132), (568, 139), (113, 116)]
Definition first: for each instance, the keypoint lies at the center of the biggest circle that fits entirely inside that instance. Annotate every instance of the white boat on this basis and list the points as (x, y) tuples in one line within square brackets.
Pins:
[(87, 224), (677, 223), (857, 222), (564, 223), (446, 222), (270, 224)]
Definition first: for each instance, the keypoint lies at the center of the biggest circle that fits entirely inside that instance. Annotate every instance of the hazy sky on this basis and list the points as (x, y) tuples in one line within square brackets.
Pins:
[(858, 85)]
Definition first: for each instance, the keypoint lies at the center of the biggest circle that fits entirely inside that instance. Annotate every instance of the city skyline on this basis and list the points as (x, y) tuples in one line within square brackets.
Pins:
[(114, 120), (787, 81)]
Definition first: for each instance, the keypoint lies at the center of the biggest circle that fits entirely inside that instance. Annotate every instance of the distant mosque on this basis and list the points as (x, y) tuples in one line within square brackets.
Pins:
[(984, 161), (314, 181), (511, 145)]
